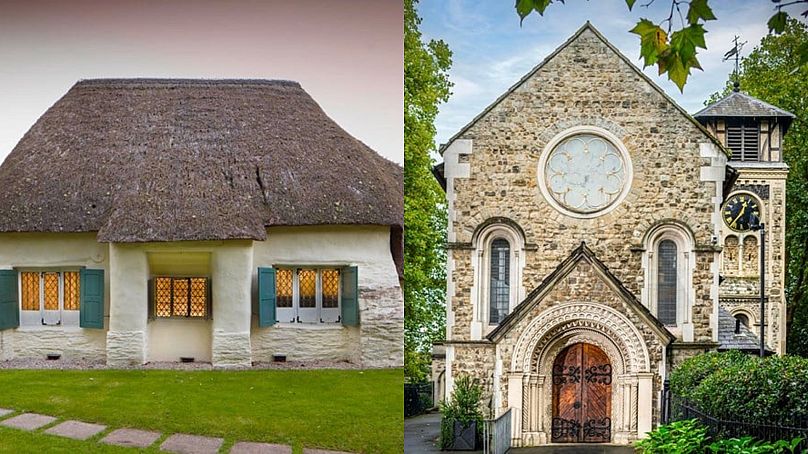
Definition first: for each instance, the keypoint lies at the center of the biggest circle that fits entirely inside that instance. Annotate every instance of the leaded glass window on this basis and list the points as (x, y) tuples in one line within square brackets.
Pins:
[(181, 297), (499, 283), (666, 282), (49, 297), (307, 295)]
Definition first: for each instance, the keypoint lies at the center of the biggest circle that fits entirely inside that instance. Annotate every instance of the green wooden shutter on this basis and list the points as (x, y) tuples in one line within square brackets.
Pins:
[(9, 305), (92, 299), (266, 297), (350, 296)]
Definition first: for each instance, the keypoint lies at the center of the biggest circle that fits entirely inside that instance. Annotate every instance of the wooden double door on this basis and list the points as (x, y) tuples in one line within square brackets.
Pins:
[(582, 395)]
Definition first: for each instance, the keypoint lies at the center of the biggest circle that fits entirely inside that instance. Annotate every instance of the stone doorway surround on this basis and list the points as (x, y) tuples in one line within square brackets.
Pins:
[(530, 372)]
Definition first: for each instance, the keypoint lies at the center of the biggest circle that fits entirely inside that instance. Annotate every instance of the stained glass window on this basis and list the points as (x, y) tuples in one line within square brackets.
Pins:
[(308, 287), (72, 291), (666, 282), (30, 291), (500, 285), (179, 306), (199, 296), (162, 296)]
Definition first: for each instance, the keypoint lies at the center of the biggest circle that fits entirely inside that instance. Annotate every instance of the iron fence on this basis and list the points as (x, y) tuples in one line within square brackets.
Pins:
[(497, 434), (417, 398), (676, 408)]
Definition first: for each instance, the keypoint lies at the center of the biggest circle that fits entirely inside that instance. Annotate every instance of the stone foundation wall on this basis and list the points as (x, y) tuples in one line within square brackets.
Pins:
[(71, 343), (306, 343)]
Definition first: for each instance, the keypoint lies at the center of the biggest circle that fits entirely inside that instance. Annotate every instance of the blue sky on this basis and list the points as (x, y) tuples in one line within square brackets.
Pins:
[(491, 52)]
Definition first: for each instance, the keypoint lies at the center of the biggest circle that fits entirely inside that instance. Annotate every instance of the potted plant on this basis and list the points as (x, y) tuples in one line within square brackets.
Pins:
[(462, 418)]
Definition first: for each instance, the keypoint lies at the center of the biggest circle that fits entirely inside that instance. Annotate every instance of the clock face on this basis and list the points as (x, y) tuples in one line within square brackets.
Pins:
[(741, 212)]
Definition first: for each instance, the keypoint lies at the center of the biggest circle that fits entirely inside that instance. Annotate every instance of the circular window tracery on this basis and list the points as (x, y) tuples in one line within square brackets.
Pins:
[(585, 172)]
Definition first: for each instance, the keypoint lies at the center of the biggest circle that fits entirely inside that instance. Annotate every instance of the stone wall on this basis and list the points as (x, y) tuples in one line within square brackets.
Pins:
[(584, 84)]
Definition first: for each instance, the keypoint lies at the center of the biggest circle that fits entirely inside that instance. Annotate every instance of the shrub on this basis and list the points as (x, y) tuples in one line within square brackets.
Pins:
[(680, 437), (757, 391), (463, 406), (691, 372), (748, 445)]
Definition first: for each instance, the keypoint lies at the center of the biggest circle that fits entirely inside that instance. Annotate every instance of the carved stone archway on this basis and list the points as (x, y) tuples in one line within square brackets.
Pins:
[(564, 325)]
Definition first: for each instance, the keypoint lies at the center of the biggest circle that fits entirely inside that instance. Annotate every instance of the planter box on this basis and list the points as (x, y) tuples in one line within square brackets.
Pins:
[(465, 437)]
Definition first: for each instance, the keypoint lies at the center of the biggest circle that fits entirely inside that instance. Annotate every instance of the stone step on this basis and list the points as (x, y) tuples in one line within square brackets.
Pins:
[(569, 448)]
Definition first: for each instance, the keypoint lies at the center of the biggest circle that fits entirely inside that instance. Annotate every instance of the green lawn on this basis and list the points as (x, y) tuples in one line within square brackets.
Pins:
[(347, 410)]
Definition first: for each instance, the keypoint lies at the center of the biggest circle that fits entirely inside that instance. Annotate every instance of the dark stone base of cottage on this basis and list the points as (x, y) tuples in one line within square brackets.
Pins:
[(598, 235), (218, 221)]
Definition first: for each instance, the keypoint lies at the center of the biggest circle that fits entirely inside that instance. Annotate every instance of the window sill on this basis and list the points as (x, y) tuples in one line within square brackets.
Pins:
[(33, 328), (310, 326)]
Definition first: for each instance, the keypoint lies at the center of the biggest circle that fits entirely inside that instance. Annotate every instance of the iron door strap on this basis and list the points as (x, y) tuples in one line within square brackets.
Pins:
[(599, 373), (563, 375)]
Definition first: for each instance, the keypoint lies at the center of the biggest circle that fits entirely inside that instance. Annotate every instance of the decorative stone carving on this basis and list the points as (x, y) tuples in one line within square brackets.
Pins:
[(585, 317), (750, 254), (731, 247)]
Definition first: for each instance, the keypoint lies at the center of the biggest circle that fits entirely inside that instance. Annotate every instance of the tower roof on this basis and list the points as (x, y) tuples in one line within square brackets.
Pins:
[(739, 104)]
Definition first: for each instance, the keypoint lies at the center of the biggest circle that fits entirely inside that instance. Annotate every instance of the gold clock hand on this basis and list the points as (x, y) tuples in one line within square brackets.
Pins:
[(743, 209)]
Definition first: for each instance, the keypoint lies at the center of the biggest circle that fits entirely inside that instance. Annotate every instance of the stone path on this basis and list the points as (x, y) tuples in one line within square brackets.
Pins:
[(134, 438)]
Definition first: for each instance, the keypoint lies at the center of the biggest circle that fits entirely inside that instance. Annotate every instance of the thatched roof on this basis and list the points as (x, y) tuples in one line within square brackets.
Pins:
[(166, 160)]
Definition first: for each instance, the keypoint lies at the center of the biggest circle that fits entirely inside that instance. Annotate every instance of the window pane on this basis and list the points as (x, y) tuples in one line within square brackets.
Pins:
[(666, 283), (162, 296), (51, 291), (330, 288), (199, 297), (500, 281), (30, 291), (283, 288), (72, 294), (308, 288), (180, 306)]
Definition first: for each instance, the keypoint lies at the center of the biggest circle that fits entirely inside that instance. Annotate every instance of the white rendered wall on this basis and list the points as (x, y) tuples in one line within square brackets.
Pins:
[(378, 341), (54, 250), (224, 340)]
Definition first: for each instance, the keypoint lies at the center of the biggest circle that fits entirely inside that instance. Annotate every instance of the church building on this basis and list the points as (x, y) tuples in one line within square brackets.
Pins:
[(598, 235)]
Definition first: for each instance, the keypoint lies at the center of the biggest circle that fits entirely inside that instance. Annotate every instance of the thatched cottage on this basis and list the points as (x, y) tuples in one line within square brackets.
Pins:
[(229, 221)]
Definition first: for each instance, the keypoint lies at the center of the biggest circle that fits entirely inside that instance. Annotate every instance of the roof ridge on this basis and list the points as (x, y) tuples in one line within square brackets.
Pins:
[(586, 26), (777, 110), (184, 81)]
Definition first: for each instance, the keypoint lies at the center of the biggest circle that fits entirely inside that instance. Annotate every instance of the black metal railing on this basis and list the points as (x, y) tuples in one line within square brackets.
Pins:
[(677, 408), (417, 398)]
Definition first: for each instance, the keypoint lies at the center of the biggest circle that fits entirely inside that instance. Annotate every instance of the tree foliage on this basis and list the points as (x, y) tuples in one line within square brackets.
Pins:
[(769, 74), (426, 85), (674, 50)]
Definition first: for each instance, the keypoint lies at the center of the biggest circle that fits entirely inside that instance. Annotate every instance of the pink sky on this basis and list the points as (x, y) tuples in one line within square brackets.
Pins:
[(346, 53)]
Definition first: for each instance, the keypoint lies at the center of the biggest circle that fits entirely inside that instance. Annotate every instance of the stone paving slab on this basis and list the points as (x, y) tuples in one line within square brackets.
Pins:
[(76, 430), (246, 447), (28, 421), (5, 411), (322, 451), (131, 437), (191, 444)]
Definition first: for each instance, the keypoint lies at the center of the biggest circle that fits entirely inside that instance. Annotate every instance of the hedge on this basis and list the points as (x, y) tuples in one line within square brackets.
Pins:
[(738, 387)]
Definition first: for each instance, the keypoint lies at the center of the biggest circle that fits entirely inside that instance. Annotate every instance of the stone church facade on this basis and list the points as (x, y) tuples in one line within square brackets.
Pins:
[(585, 240)]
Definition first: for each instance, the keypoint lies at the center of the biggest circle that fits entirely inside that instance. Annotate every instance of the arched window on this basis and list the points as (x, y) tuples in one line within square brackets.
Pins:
[(750, 254), (666, 282), (499, 281), (741, 319), (731, 254)]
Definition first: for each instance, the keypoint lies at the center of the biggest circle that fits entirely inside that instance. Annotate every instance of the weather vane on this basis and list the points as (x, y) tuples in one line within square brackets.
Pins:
[(736, 53)]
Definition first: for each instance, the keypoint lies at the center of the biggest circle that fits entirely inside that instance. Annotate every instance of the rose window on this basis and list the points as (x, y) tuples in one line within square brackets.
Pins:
[(585, 173)]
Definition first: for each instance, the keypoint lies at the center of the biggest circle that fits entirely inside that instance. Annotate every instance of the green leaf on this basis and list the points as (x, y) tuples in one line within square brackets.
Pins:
[(653, 40), (777, 23), (523, 8), (677, 72), (630, 4), (699, 9)]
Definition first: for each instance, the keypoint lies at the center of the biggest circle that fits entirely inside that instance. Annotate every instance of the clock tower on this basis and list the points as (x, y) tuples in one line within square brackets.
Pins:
[(753, 130)]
